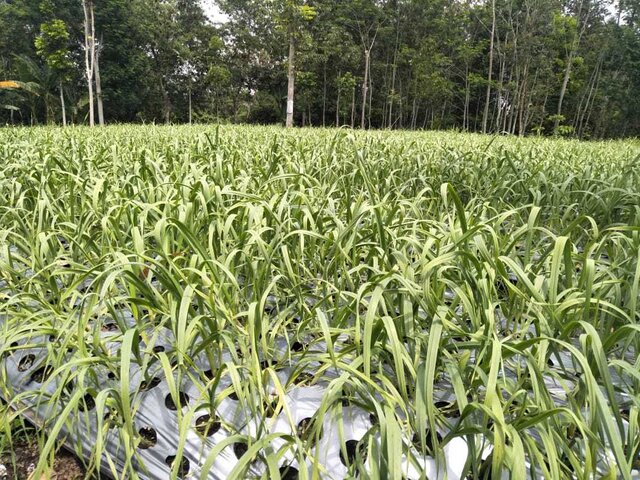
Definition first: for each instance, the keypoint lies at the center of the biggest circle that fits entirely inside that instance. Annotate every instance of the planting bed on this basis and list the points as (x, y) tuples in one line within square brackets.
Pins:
[(241, 302)]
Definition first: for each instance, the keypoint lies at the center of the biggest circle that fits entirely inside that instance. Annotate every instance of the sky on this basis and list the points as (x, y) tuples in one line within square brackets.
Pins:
[(212, 11), (216, 16)]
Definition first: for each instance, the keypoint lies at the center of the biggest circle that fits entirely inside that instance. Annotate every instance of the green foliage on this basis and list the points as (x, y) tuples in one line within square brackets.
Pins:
[(346, 82), (428, 60), (265, 109), (307, 13), (52, 45), (467, 294)]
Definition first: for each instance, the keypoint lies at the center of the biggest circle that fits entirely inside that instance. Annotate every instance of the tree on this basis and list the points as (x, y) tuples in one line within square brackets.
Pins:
[(568, 66), (89, 52), (37, 81), (52, 45), (292, 16), (575, 27), (346, 85), (364, 18), (485, 115)]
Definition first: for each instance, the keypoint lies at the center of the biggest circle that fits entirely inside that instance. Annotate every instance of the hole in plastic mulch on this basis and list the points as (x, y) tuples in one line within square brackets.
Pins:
[(306, 431), (206, 426), (352, 449), (183, 468), (239, 449), (148, 385), (110, 327), (183, 399), (87, 403), (289, 473), (428, 440), (303, 379), (148, 438), (26, 362), (448, 409), (111, 419), (270, 407), (42, 373), (266, 364)]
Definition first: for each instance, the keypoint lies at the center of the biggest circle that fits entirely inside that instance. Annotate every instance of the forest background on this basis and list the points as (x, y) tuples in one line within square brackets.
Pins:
[(551, 67)]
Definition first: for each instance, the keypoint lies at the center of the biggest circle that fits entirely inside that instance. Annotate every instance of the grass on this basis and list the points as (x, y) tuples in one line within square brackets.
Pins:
[(448, 303)]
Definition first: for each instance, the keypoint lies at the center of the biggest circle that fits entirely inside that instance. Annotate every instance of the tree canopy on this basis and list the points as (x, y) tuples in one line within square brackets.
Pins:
[(551, 67)]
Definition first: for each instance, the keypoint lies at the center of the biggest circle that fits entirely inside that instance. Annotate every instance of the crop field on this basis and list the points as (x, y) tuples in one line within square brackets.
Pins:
[(249, 302)]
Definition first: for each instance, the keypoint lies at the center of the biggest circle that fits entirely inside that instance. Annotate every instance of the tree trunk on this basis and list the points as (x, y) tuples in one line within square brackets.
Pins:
[(529, 104), (166, 103), (89, 54), (393, 74), (190, 109), (353, 107), (98, 86), (324, 94), (567, 72), (467, 97), (393, 91), (365, 88), (386, 87), (544, 113), (49, 118), (291, 79), (442, 114), (523, 100), (414, 114), (485, 116), (501, 100), (589, 108), (370, 97), (593, 82), (401, 105), (62, 107), (338, 105), (563, 91)]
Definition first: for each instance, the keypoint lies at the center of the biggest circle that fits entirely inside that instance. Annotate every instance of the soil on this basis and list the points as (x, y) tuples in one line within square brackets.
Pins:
[(66, 466)]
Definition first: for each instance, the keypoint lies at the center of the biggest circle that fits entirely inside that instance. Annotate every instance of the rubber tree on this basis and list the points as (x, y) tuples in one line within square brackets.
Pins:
[(575, 27), (293, 15), (363, 18), (485, 114), (89, 52)]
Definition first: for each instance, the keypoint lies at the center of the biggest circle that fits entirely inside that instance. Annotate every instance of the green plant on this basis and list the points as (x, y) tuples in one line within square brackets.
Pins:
[(460, 290)]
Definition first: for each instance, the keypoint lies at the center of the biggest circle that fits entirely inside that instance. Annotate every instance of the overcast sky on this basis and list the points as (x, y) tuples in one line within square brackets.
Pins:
[(212, 11)]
